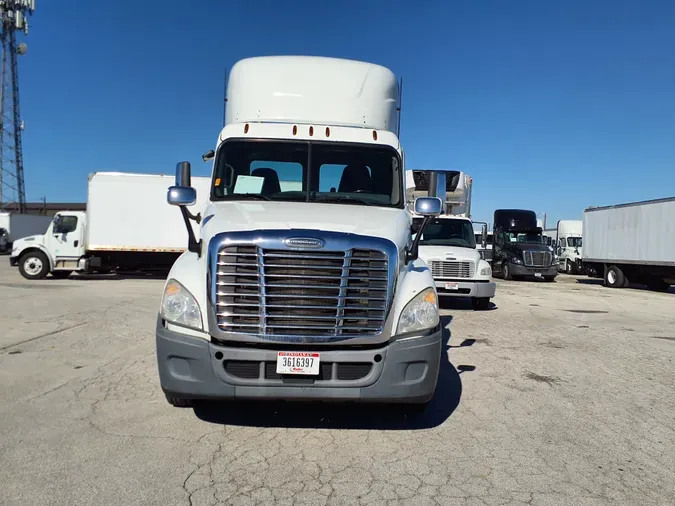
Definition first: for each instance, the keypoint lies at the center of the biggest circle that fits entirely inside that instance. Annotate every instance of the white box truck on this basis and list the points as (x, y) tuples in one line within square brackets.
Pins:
[(632, 243), (128, 225), (312, 289), (448, 245), (14, 226)]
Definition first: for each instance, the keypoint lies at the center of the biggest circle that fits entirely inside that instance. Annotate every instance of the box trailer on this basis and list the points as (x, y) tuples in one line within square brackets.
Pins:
[(128, 225), (14, 226), (631, 243)]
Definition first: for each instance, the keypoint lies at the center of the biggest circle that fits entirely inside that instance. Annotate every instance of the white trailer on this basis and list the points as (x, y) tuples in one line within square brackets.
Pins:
[(127, 226), (632, 243), (14, 226)]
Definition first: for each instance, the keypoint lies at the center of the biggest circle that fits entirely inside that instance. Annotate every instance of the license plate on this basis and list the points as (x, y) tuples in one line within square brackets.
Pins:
[(298, 362), (537, 274), (452, 286)]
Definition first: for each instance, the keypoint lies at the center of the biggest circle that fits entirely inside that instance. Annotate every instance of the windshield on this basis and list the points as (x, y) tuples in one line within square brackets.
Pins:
[(528, 237), (574, 242), (448, 232), (308, 172)]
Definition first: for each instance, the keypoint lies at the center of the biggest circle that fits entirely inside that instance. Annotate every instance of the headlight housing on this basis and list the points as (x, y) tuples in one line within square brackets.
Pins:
[(516, 260), (486, 271), (180, 307), (420, 313)]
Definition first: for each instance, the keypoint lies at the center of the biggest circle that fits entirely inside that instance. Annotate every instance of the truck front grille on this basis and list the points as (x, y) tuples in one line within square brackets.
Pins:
[(276, 293), (452, 269), (537, 258)]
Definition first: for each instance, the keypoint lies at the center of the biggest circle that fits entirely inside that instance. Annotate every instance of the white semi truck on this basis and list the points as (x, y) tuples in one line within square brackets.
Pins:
[(313, 289), (568, 243), (631, 243), (448, 244), (127, 226), (14, 226)]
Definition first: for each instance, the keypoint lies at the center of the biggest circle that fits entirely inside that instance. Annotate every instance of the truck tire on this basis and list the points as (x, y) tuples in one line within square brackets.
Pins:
[(506, 271), (569, 267), (480, 303), (614, 277), (179, 402), (34, 265), (61, 274)]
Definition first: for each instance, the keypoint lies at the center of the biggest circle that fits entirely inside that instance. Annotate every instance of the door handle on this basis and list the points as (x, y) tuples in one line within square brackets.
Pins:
[(76, 243)]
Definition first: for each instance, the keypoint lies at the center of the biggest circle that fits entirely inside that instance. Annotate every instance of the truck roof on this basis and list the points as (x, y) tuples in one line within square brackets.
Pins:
[(312, 90), (629, 204)]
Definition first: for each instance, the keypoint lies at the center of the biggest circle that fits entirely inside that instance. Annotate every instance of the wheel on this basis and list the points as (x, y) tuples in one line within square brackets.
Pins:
[(614, 277), (179, 402), (658, 285), (61, 274), (34, 265), (480, 303), (549, 279), (506, 271)]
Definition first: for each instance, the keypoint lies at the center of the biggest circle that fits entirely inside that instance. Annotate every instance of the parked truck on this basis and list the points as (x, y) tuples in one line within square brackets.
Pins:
[(448, 245), (127, 226), (14, 226), (519, 250), (568, 243), (315, 290), (631, 243)]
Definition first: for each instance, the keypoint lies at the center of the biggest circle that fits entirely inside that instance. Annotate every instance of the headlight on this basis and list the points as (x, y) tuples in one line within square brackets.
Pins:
[(179, 306), (420, 313), (486, 271), (516, 260)]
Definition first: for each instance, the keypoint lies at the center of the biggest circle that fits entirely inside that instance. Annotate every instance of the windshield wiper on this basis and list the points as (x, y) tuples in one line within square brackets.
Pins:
[(342, 198), (248, 196)]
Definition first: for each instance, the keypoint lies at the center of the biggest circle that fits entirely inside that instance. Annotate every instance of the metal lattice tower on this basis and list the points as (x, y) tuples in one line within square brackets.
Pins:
[(13, 14)]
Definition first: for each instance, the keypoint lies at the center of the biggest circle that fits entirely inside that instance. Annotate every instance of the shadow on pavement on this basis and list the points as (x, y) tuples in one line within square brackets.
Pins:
[(633, 286), (461, 304), (345, 415)]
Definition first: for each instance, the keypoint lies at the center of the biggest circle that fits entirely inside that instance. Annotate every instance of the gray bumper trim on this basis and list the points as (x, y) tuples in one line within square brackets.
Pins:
[(407, 373), (480, 289), (521, 270)]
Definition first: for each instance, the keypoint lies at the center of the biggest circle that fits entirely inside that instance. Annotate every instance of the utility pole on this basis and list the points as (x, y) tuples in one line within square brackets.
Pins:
[(13, 18)]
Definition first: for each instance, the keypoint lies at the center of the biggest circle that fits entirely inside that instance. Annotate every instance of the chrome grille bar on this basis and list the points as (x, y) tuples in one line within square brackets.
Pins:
[(452, 269)]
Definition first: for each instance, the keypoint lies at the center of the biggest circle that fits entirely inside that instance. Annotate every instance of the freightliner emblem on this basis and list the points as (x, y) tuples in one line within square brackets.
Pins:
[(304, 242)]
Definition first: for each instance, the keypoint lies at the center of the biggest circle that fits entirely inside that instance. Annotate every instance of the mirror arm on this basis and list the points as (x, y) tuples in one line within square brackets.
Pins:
[(196, 217), (413, 252), (193, 245)]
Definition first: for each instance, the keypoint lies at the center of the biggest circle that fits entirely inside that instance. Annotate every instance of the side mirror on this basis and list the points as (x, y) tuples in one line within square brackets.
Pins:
[(483, 237), (428, 206), (181, 196), (209, 155)]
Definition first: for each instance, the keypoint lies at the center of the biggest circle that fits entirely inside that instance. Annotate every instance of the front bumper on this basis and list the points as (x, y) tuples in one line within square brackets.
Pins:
[(521, 270), (466, 288), (403, 371), (13, 261)]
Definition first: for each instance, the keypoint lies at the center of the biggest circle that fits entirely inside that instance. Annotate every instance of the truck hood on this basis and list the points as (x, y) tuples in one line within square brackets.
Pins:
[(387, 223), (448, 253)]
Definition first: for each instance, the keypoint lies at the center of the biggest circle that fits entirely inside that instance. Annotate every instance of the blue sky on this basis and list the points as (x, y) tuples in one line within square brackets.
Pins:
[(552, 106)]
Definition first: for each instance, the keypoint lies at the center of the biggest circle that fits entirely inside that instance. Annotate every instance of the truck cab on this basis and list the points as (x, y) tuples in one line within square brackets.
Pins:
[(519, 248), (58, 250), (304, 280), (448, 245), (569, 245)]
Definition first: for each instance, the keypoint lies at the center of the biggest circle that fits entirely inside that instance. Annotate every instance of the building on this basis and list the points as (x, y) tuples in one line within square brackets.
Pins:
[(46, 208)]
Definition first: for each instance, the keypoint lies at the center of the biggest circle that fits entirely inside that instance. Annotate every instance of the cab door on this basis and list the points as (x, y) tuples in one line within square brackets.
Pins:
[(66, 238)]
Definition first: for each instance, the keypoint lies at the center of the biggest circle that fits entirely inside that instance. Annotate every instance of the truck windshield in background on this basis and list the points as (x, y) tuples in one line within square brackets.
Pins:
[(526, 237), (447, 232), (303, 171), (574, 242)]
